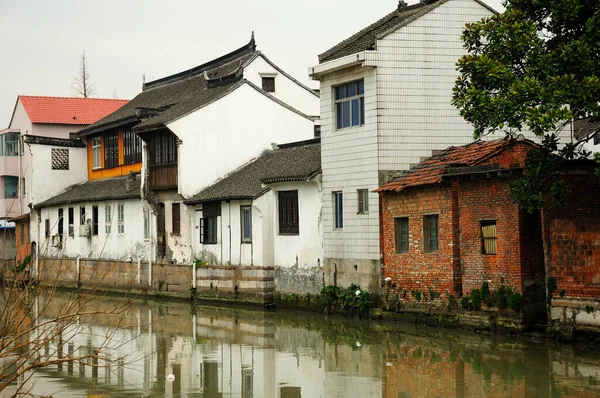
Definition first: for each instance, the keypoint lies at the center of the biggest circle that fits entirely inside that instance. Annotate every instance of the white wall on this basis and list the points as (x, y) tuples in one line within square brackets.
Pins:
[(267, 248), (286, 89), (222, 136), (350, 162), (305, 249), (114, 246), (20, 120), (45, 182)]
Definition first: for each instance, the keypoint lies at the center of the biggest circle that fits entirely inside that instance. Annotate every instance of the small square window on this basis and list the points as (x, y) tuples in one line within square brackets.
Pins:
[(488, 237), (246, 219), (268, 84), (430, 233), (60, 159), (338, 210), (401, 234), (363, 201)]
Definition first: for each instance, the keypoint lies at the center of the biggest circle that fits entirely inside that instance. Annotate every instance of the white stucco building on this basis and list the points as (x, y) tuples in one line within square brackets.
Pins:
[(201, 124), (385, 103), (265, 213)]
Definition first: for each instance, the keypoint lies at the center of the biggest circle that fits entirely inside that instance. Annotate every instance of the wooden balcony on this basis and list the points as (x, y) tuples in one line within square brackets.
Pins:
[(163, 176)]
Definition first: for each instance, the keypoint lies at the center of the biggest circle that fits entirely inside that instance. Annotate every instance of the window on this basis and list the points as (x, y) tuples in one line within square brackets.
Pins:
[(338, 210), (350, 104), (60, 224), (10, 144), (147, 224), (82, 215), (488, 237), (162, 149), (176, 219), (47, 228), (94, 220), (132, 147), (11, 187), (246, 220), (401, 234), (111, 150), (288, 213), (60, 159), (430, 233), (121, 219), (107, 219), (363, 201), (71, 222), (208, 230), (268, 84), (96, 158)]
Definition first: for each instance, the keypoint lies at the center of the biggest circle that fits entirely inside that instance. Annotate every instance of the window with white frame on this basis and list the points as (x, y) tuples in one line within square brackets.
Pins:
[(350, 104), (107, 219), (121, 219), (246, 221), (208, 230), (96, 153), (146, 224), (363, 201), (71, 215), (338, 210)]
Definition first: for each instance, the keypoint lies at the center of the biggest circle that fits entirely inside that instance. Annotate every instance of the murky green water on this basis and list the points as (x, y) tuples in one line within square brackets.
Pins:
[(172, 350)]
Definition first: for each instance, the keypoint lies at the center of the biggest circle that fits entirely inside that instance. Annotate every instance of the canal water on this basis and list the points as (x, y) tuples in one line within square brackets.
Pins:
[(167, 349)]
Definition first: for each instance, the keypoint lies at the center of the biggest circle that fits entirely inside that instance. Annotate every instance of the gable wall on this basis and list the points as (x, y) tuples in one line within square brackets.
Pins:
[(285, 89), (222, 136)]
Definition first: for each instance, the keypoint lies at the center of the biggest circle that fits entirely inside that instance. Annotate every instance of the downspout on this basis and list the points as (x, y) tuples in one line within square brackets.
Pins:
[(78, 271), (229, 226), (19, 187)]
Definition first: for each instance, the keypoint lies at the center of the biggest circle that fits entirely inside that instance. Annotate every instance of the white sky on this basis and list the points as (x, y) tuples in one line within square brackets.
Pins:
[(41, 41)]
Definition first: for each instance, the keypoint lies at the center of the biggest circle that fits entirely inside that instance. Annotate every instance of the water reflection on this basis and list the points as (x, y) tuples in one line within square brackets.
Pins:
[(175, 350)]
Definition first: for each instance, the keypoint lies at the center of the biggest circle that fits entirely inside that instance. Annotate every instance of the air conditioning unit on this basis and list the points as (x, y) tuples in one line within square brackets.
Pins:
[(84, 231)]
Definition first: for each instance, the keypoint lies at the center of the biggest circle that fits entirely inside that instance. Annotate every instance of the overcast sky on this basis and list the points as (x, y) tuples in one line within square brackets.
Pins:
[(41, 41)]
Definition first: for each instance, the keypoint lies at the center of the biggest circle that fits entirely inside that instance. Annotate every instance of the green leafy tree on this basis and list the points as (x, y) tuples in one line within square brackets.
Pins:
[(535, 66)]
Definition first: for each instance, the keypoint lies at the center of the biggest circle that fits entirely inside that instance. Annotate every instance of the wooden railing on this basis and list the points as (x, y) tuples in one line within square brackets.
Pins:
[(163, 176)]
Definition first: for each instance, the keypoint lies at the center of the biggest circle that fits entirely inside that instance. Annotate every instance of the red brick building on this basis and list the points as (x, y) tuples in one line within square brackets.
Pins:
[(449, 224)]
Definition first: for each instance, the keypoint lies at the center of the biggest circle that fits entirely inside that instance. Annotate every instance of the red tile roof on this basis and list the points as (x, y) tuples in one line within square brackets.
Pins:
[(431, 170), (65, 110)]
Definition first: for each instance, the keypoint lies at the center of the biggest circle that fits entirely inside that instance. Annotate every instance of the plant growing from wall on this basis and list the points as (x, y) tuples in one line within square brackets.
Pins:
[(23, 264), (199, 263), (352, 300), (416, 295)]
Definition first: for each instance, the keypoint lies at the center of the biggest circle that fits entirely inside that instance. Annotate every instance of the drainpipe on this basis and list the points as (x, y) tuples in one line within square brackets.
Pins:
[(139, 269), (150, 257), (229, 226), (78, 270)]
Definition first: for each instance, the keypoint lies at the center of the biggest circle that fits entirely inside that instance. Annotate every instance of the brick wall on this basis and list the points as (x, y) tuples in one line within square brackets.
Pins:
[(417, 270), (574, 232), (489, 200)]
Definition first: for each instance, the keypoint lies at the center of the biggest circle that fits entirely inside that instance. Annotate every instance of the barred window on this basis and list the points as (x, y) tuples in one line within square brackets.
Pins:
[(430, 233), (488, 237), (107, 219), (60, 159), (208, 230), (176, 219), (401, 234), (289, 222), (121, 219), (132, 145), (111, 150), (162, 149)]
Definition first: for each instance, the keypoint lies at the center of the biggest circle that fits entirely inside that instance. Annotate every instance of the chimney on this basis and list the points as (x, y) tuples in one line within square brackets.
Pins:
[(130, 182), (401, 5)]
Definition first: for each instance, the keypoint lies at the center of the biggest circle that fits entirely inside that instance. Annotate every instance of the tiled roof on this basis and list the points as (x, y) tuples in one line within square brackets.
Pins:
[(35, 139), (66, 110), (292, 162), (96, 191), (430, 171), (176, 95), (366, 39)]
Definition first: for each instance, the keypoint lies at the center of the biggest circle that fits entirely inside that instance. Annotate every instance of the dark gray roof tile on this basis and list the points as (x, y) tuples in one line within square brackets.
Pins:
[(96, 191), (36, 139), (291, 162)]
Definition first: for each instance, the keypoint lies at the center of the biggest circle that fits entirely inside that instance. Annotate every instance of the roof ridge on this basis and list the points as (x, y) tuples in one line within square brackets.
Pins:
[(77, 98), (368, 29), (214, 63)]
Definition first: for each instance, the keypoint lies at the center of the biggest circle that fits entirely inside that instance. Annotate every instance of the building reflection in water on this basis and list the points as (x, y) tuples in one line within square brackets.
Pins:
[(217, 352)]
